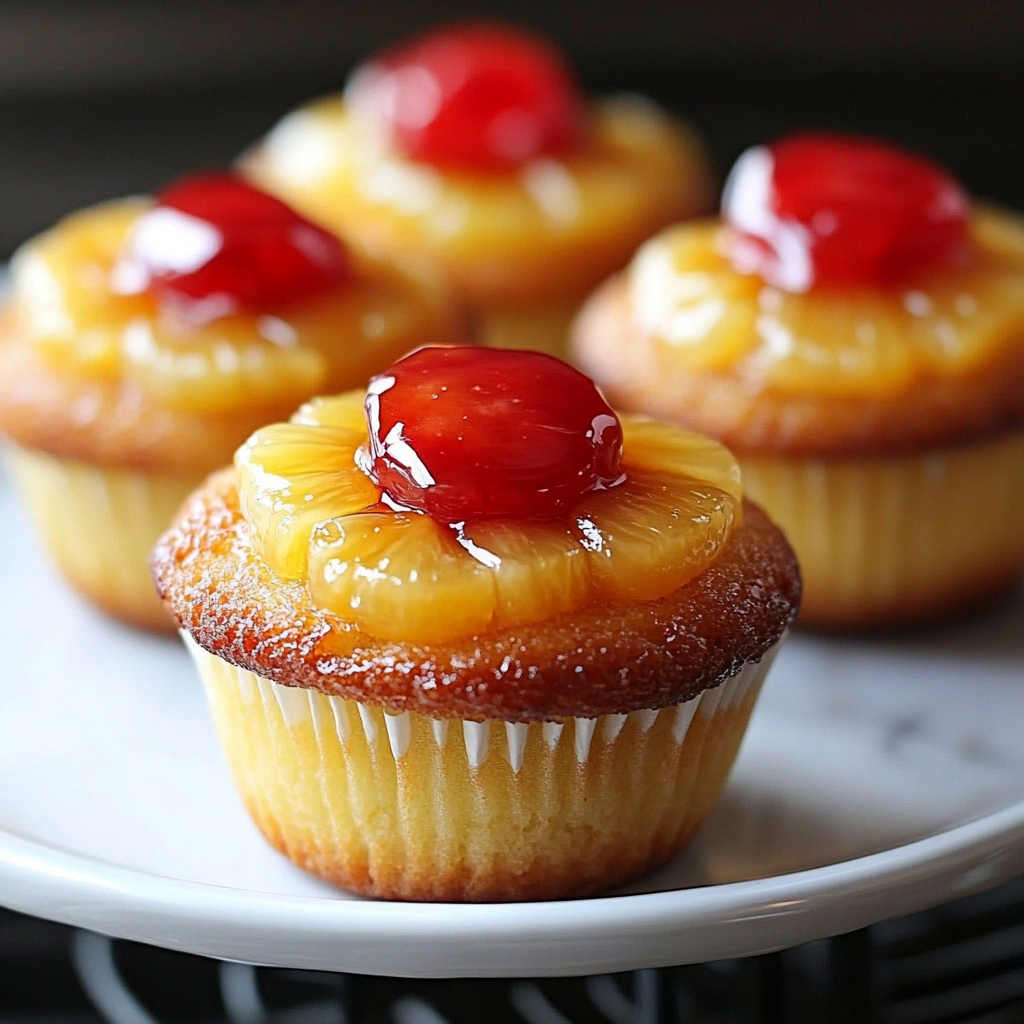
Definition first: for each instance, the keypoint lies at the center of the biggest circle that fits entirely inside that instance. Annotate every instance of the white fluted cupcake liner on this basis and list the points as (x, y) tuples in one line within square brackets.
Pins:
[(399, 804), (480, 740), (888, 540), (99, 526)]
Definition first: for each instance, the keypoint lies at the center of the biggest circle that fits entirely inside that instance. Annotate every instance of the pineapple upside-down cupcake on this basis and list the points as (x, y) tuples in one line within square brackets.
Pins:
[(853, 328), (470, 636), (146, 339), (474, 148)]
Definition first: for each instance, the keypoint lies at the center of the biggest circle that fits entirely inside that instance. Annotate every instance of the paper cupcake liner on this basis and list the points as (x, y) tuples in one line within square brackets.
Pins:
[(405, 806), (901, 539), (99, 526)]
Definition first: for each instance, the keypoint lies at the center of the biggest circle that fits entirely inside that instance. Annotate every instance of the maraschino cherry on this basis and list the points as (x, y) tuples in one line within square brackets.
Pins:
[(818, 209), (464, 433), (213, 244), (472, 97)]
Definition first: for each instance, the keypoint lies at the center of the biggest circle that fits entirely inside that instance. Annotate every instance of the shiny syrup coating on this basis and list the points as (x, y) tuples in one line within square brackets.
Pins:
[(216, 244), (473, 97), (819, 209), (469, 433)]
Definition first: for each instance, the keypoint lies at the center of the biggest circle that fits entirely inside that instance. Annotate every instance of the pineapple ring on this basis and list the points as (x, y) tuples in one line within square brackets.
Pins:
[(66, 304), (401, 575), (697, 310)]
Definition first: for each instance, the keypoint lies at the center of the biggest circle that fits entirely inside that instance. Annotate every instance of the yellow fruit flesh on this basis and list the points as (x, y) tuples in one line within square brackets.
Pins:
[(343, 411), (636, 172), (701, 314), (65, 304), (400, 575), (543, 569), (62, 294), (287, 475), (649, 445), (404, 576), (652, 533)]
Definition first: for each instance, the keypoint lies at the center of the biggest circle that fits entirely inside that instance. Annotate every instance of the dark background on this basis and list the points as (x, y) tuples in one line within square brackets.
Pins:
[(100, 99)]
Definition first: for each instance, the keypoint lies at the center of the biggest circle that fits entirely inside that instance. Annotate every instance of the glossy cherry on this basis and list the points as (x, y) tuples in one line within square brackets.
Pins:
[(465, 433), (473, 97), (836, 210), (216, 244)]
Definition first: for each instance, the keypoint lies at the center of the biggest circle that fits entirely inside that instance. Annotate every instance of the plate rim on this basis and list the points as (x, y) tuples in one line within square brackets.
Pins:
[(548, 938)]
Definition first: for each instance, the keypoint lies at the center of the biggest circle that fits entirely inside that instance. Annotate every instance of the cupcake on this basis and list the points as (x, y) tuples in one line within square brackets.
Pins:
[(853, 328), (144, 340), (471, 636), (473, 147)]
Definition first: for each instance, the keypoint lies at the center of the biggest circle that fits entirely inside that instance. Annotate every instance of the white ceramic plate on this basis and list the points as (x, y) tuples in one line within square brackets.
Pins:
[(877, 778)]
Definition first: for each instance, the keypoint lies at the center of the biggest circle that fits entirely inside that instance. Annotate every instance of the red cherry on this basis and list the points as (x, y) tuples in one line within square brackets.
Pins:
[(464, 433), (214, 243), (831, 209), (473, 97)]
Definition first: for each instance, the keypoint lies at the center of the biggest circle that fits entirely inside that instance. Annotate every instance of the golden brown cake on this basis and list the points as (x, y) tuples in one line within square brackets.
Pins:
[(146, 339), (473, 148), (870, 378), (469, 636)]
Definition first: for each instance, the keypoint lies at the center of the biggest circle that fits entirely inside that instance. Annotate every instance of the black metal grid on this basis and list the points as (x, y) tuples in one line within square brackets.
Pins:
[(962, 963)]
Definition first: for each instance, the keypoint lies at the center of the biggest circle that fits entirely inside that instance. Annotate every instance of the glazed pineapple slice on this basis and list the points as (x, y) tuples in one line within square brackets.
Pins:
[(292, 477), (874, 340), (848, 340), (681, 498), (405, 576), (400, 575), (654, 446), (541, 570), (955, 327), (343, 411), (327, 343), (222, 366), (684, 294), (62, 284), (652, 533)]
